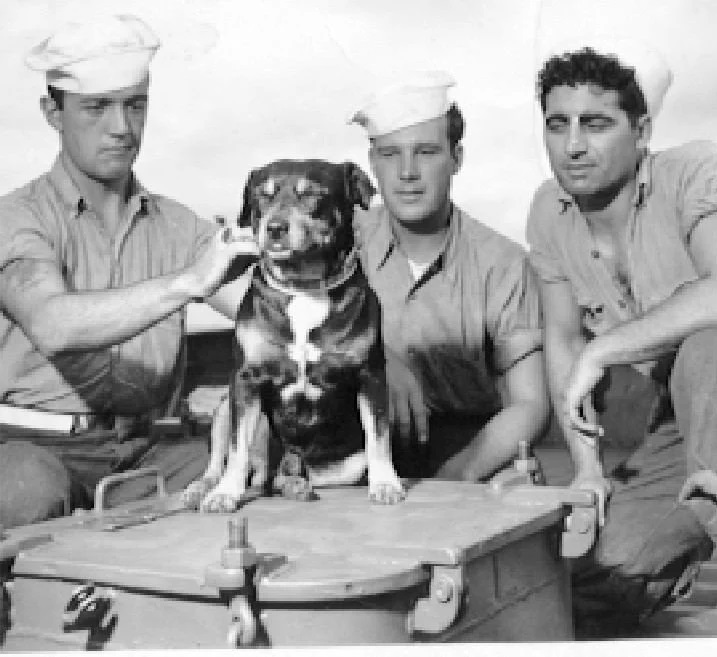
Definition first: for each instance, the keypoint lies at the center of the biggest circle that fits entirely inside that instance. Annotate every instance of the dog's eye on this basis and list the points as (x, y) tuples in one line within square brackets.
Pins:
[(302, 187), (268, 189)]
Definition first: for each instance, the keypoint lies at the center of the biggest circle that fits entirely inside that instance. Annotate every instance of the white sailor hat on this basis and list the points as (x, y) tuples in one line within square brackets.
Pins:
[(652, 73), (416, 98), (96, 56)]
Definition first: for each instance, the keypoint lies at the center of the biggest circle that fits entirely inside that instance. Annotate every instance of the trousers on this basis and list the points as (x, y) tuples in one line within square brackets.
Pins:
[(648, 552), (44, 474)]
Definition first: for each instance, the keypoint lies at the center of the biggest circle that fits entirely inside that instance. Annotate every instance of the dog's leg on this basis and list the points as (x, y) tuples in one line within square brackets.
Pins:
[(292, 479), (227, 494), (384, 485), (220, 436)]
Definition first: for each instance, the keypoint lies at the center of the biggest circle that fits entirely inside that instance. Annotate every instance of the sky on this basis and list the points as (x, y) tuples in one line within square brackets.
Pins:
[(238, 83)]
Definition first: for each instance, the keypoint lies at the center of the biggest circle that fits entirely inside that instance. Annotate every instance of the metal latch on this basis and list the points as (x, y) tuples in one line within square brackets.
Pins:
[(234, 577), (580, 525), (90, 609), (446, 596)]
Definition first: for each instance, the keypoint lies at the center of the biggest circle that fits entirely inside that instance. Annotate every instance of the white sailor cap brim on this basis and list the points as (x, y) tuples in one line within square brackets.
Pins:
[(98, 56), (417, 98)]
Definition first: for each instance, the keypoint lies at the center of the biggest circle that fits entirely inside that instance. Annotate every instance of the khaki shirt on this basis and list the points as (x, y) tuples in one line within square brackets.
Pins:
[(48, 220), (472, 315), (676, 189)]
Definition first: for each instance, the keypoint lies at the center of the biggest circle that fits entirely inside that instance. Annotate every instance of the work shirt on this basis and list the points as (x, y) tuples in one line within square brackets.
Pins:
[(675, 190), (472, 314), (49, 220)]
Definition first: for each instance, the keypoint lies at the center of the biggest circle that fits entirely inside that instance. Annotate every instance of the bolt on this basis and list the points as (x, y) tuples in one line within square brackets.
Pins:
[(523, 454), (444, 590), (238, 533)]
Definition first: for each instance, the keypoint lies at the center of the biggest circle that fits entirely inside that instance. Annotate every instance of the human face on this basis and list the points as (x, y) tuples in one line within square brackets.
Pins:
[(101, 133), (413, 167), (592, 146)]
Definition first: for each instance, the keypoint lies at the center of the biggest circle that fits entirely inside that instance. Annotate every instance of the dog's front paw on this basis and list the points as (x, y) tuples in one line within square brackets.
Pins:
[(295, 488), (384, 485), (193, 494), (386, 493), (225, 497)]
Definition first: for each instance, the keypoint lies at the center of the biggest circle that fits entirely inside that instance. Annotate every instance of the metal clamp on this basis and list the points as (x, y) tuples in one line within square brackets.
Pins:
[(242, 626), (234, 577), (580, 530), (90, 609), (112, 479), (437, 612), (580, 527), (5, 610)]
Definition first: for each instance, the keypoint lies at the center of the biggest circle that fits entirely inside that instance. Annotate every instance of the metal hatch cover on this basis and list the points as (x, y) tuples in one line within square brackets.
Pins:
[(338, 547)]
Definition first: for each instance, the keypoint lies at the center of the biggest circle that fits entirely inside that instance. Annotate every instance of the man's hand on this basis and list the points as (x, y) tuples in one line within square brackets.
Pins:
[(584, 376), (406, 406), (596, 482), (207, 272)]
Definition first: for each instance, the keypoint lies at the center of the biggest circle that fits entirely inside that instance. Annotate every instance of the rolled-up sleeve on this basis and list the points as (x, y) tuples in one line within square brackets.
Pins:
[(513, 313), (540, 237), (697, 190), (204, 231), (23, 235)]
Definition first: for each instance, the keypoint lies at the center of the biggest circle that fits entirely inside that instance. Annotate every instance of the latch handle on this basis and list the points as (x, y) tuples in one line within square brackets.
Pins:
[(112, 479)]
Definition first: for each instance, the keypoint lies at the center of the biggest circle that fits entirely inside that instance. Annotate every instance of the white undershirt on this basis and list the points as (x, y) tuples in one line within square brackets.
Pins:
[(418, 268)]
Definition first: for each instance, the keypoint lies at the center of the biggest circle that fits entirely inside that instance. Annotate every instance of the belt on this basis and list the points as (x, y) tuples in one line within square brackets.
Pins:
[(40, 420)]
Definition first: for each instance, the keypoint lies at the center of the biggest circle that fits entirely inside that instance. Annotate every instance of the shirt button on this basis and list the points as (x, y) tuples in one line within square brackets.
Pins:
[(595, 253)]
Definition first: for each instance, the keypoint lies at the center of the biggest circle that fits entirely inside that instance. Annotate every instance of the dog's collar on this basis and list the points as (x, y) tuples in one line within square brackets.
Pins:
[(347, 271)]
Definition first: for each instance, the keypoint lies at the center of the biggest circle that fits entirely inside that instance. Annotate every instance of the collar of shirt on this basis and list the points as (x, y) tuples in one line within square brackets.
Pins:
[(388, 246), (141, 201), (643, 187)]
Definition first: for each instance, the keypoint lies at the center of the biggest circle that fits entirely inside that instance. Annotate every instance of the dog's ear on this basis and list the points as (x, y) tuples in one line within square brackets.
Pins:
[(247, 207), (359, 189)]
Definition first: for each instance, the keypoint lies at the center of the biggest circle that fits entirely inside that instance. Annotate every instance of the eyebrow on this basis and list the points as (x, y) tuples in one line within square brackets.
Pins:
[(587, 116), (417, 144), (109, 99)]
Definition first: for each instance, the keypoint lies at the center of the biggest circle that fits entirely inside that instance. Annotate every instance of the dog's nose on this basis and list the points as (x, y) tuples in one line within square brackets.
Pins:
[(275, 229)]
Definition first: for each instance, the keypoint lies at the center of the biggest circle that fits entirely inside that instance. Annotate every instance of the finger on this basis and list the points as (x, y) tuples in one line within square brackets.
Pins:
[(243, 247), (239, 241), (590, 429)]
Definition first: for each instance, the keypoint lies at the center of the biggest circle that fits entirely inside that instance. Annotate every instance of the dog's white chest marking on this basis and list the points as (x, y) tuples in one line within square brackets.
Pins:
[(305, 312)]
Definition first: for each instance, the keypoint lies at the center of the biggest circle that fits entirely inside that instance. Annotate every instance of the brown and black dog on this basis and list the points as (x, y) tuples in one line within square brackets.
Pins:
[(309, 377)]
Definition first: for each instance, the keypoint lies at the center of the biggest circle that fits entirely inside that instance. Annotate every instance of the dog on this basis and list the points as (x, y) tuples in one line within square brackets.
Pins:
[(307, 398)]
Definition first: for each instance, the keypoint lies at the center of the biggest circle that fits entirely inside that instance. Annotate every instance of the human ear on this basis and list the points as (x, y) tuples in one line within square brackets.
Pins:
[(644, 131), (457, 156), (51, 112)]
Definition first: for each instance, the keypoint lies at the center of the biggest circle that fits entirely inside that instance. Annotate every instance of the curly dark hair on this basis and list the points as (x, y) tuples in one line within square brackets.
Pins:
[(586, 66)]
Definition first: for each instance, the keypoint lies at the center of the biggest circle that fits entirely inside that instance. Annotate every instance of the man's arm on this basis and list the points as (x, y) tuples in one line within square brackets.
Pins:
[(57, 319), (690, 308), (524, 416), (563, 343)]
